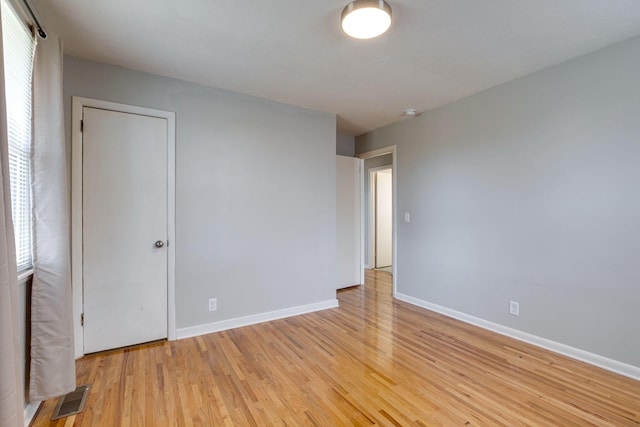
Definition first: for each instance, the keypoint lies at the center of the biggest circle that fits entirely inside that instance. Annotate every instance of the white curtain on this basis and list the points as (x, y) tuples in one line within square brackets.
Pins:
[(11, 381), (52, 352)]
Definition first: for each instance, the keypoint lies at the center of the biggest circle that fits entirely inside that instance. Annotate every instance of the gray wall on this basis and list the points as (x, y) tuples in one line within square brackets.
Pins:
[(529, 191), (248, 231), (375, 162), (345, 145)]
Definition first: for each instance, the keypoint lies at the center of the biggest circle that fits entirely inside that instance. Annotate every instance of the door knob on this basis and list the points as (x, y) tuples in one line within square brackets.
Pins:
[(159, 244)]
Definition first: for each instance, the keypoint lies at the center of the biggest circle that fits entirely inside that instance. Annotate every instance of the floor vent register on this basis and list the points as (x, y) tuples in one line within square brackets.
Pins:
[(71, 403)]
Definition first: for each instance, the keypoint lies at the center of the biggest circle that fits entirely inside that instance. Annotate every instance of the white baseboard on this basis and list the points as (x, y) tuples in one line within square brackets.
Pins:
[(223, 325), (575, 353), (30, 412)]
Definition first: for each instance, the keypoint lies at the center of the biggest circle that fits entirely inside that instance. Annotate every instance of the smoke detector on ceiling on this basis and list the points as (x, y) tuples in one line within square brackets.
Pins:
[(410, 112)]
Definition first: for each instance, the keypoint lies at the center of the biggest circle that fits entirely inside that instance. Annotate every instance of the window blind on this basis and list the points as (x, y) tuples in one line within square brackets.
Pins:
[(18, 45)]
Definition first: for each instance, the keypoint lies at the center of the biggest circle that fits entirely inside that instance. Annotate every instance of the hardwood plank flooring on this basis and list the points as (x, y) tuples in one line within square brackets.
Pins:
[(373, 361)]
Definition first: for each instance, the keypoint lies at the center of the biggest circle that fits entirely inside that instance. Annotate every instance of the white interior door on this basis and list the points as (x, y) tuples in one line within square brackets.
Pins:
[(348, 218), (384, 218), (124, 202)]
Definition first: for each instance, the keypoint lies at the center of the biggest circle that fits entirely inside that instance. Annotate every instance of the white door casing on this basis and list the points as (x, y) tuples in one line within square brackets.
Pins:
[(123, 201), (394, 173)]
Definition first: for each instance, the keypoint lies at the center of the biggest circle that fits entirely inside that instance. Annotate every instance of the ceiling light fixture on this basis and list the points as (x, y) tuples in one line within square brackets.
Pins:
[(365, 19)]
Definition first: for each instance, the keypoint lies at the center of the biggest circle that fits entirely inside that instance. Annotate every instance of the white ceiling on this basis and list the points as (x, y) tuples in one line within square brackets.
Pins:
[(293, 51)]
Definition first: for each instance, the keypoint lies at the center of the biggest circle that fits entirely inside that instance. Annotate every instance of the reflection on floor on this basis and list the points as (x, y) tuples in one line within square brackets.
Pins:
[(373, 361), (388, 269)]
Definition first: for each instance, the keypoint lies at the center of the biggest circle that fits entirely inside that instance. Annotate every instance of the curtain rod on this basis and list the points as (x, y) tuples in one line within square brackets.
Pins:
[(36, 19)]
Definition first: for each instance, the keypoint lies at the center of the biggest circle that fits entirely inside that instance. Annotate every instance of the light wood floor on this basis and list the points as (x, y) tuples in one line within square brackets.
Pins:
[(373, 361)]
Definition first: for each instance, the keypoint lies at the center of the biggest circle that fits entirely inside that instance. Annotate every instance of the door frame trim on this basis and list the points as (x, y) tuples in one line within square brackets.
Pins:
[(77, 105), (391, 149)]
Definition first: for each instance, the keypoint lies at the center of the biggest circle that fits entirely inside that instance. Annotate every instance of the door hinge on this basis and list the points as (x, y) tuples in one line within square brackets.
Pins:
[(82, 319), (81, 125)]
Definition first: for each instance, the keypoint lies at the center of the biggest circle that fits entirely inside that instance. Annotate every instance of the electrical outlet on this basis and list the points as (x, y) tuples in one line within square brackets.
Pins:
[(514, 308), (213, 304)]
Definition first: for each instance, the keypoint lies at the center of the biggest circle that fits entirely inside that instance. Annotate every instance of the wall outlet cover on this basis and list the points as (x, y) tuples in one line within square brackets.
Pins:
[(514, 308)]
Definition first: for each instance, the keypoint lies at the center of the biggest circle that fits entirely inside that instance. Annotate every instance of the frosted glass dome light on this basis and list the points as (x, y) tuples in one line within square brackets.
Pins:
[(365, 19)]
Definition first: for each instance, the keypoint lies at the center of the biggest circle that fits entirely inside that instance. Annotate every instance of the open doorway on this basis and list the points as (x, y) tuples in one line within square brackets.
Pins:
[(381, 219), (379, 212)]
